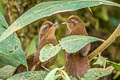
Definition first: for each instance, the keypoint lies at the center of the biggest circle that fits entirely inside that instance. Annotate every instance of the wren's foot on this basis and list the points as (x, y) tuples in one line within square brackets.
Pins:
[(45, 68)]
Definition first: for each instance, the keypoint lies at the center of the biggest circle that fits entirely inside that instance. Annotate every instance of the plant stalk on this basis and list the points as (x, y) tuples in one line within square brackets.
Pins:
[(106, 43)]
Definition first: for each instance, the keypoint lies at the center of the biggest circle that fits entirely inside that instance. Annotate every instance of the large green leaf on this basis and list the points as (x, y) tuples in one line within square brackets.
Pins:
[(30, 75), (6, 71), (51, 75), (11, 51), (49, 8), (48, 51), (75, 42), (96, 73), (3, 21)]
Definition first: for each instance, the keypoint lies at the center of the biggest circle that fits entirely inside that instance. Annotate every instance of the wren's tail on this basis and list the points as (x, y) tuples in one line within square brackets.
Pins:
[(76, 65)]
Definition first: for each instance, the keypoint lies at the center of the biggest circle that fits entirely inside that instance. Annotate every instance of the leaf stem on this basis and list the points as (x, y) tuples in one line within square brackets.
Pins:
[(107, 43)]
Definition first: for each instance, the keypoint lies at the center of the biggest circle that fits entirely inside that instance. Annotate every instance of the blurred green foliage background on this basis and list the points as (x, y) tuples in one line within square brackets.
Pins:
[(100, 22)]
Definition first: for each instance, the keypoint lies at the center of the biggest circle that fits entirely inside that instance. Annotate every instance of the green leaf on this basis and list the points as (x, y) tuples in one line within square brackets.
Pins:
[(49, 8), (6, 71), (113, 64), (101, 61), (30, 75), (1, 8), (48, 51), (11, 51), (76, 42), (66, 76), (3, 20), (51, 75), (90, 10), (96, 73), (32, 47)]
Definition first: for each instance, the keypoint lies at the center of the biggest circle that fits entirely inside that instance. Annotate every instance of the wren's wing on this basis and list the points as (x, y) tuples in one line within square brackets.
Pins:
[(41, 45), (84, 51)]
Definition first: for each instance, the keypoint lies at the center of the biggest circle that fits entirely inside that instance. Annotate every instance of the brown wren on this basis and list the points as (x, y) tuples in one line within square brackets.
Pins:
[(76, 64), (47, 36)]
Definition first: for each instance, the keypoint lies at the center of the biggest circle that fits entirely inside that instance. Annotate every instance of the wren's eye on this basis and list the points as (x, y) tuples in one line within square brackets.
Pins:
[(49, 26), (71, 21)]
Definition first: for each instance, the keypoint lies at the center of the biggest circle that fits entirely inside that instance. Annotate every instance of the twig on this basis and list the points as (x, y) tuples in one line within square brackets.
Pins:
[(34, 67), (45, 68), (60, 70), (104, 45)]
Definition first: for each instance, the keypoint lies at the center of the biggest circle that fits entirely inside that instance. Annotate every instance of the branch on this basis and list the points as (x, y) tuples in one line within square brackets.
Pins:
[(107, 43)]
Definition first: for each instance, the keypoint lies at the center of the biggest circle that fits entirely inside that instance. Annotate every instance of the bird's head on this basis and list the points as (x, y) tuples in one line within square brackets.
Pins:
[(73, 22), (47, 28)]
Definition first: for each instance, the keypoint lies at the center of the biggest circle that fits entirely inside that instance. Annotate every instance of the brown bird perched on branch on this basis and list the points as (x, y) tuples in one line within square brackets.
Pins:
[(76, 64), (47, 36)]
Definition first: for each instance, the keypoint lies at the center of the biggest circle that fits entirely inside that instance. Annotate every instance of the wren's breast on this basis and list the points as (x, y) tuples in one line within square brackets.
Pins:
[(46, 41), (79, 31)]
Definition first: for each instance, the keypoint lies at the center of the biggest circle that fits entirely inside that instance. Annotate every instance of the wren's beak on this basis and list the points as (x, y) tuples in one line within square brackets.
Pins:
[(55, 24), (67, 26), (65, 23)]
